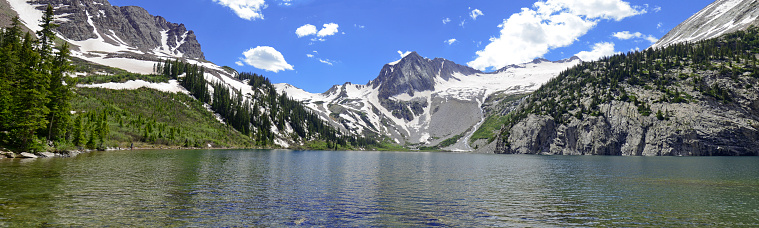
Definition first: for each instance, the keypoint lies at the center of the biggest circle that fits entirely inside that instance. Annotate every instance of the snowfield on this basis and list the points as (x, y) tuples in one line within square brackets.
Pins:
[(172, 86)]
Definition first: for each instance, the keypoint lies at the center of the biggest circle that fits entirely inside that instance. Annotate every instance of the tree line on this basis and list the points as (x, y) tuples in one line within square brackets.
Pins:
[(35, 91)]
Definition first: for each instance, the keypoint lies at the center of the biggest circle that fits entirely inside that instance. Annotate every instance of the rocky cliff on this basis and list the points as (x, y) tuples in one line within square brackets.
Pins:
[(697, 99), (135, 32)]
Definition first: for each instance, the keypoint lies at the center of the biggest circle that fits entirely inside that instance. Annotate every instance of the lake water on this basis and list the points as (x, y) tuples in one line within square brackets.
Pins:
[(347, 189)]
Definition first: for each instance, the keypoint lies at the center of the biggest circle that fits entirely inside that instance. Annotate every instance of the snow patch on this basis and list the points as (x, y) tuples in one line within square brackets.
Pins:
[(172, 86)]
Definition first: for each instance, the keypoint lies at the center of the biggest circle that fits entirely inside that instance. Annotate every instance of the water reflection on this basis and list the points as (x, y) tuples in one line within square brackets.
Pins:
[(312, 188)]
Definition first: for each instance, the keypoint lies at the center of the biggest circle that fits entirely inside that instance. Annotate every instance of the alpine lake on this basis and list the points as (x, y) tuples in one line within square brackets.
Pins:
[(282, 188)]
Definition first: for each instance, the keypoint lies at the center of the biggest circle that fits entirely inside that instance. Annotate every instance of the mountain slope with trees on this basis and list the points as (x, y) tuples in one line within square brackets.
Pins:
[(686, 99), (41, 109)]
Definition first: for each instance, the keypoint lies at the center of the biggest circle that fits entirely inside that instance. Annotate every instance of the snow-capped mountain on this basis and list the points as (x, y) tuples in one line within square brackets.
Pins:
[(422, 102), (720, 17)]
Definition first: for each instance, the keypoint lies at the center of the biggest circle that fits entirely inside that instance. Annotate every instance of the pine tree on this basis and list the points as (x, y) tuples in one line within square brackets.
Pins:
[(31, 98), (78, 132), (47, 35), (60, 95)]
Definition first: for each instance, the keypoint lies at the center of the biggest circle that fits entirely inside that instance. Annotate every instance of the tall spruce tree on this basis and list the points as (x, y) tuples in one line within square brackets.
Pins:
[(31, 95), (60, 95)]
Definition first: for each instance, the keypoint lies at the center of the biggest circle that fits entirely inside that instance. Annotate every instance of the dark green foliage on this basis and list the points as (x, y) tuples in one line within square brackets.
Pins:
[(33, 97)]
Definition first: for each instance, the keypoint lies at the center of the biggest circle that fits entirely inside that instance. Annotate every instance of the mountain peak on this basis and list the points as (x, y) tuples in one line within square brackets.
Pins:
[(414, 73)]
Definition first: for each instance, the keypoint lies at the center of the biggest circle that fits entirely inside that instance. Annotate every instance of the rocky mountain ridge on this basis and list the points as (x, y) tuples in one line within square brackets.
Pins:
[(424, 103), (720, 17), (129, 27)]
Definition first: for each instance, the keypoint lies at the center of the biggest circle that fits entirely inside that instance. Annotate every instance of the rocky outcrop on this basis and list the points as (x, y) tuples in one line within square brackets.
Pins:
[(696, 130), (129, 25), (720, 17)]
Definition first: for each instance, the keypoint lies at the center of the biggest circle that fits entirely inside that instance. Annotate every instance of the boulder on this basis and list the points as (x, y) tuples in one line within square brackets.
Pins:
[(27, 155), (47, 155), (7, 154)]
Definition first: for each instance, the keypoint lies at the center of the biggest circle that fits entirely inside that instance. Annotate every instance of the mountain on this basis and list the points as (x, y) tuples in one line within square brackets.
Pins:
[(692, 94), (720, 17), (425, 103), (694, 99), (126, 48)]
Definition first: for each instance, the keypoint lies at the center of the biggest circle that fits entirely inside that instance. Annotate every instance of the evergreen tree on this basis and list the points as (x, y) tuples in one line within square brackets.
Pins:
[(47, 35), (60, 95), (31, 98), (78, 132)]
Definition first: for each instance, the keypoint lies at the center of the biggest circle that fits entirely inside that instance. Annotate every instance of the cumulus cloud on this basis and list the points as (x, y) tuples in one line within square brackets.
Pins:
[(626, 35), (309, 29), (548, 25), (245, 9), (475, 13), (451, 41), (239, 63), (446, 20), (306, 30), (328, 30), (266, 58), (599, 50)]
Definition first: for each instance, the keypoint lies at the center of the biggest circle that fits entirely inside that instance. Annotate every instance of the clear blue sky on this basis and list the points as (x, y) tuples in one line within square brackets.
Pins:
[(340, 41)]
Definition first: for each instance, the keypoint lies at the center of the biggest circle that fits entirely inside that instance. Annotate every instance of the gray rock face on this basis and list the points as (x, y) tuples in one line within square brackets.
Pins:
[(415, 74), (696, 130), (132, 25), (720, 17)]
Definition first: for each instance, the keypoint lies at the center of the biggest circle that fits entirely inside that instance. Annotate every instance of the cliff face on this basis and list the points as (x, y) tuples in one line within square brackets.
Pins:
[(128, 26), (686, 100)]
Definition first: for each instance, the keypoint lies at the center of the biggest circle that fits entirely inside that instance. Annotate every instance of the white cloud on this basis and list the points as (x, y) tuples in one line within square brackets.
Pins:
[(451, 41), (309, 55), (403, 54), (359, 26), (306, 30), (245, 9), (266, 58), (327, 61), (475, 13), (548, 25), (328, 30), (659, 25), (599, 50), (239, 63), (626, 35), (446, 20)]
